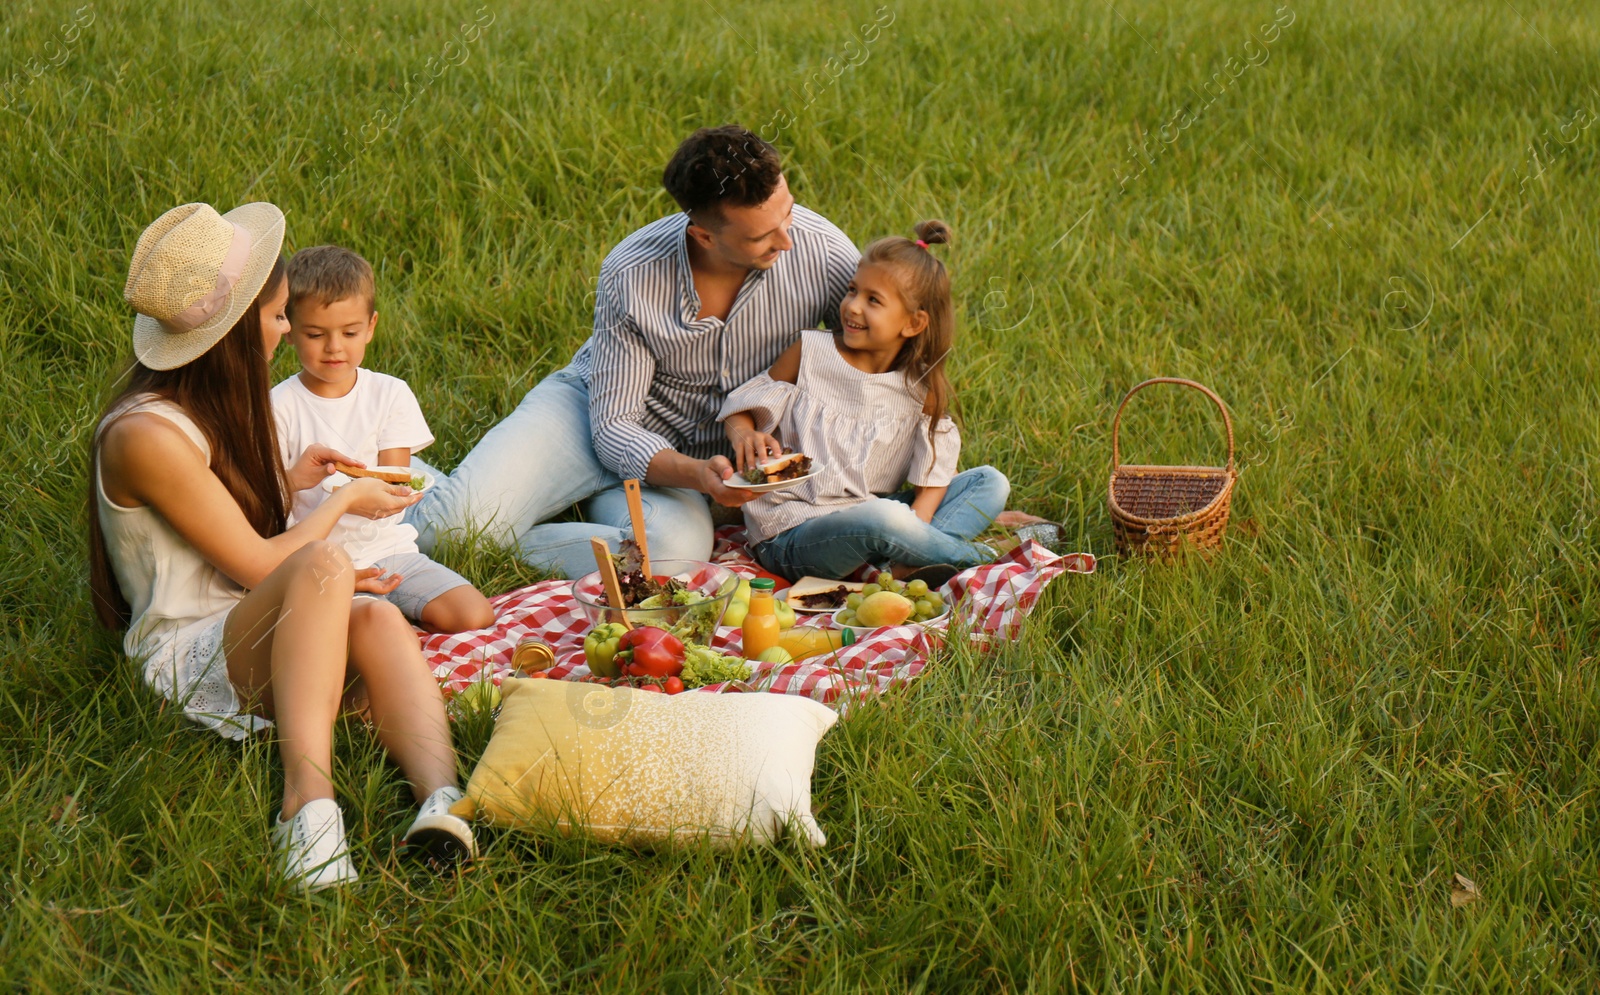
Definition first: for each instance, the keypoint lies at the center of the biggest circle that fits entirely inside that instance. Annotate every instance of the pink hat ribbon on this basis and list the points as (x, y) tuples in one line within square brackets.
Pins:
[(200, 311)]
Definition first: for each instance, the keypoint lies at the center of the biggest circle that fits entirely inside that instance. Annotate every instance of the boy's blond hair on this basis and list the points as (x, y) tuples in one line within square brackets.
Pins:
[(324, 274)]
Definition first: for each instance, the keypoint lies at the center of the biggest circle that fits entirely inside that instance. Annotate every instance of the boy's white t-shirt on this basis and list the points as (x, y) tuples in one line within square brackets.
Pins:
[(379, 413)]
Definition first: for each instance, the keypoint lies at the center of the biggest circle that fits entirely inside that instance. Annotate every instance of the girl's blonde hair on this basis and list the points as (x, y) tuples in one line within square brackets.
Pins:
[(924, 286)]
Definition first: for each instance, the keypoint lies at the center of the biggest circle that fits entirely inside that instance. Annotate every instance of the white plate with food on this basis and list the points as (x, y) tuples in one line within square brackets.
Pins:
[(819, 596), (417, 480), (776, 474)]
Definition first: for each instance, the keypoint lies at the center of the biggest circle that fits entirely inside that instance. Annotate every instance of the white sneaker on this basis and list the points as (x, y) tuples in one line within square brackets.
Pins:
[(438, 835), (311, 848)]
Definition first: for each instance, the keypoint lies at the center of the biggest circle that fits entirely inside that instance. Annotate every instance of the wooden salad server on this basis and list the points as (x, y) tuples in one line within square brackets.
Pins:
[(636, 515), (608, 576)]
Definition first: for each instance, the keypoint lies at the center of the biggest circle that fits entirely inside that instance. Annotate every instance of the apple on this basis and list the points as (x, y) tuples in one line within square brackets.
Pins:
[(738, 605), (479, 696), (785, 614)]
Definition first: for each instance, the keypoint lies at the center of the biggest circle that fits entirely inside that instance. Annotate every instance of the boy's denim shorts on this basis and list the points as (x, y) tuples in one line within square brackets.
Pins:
[(422, 581)]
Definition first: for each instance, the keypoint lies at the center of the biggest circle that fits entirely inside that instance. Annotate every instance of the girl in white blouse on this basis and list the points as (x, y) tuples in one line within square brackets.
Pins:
[(869, 404)]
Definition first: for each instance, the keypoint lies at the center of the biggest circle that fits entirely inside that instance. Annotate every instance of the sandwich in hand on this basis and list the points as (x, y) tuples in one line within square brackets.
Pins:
[(785, 467), (387, 476)]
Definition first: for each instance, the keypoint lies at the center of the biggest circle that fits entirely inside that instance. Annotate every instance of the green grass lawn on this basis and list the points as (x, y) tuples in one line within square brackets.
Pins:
[(1371, 226)]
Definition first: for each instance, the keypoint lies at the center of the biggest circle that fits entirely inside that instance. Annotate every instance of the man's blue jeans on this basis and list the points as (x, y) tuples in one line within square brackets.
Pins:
[(885, 530), (534, 465)]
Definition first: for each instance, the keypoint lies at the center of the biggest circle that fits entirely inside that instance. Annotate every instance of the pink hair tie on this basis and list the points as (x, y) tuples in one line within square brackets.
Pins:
[(922, 243)]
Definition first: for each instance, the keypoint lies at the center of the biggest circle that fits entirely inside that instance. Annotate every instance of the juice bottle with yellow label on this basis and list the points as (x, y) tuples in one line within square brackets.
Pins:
[(810, 640), (761, 621)]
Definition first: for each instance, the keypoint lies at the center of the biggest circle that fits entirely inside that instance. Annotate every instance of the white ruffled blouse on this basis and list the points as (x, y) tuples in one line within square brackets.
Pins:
[(866, 432)]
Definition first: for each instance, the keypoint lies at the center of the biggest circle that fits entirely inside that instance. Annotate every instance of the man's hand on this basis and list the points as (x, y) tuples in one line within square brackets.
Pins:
[(669, 468), (716, 470)]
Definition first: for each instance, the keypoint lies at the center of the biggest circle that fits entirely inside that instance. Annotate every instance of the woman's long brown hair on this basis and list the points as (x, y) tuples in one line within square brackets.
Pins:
[(924, 286), (227, 393)]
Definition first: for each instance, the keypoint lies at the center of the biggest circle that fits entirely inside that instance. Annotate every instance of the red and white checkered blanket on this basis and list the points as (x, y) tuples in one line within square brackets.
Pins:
[(989, 600)]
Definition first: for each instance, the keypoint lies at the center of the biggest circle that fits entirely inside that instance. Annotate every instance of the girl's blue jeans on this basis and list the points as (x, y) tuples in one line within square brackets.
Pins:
[(885, 530)]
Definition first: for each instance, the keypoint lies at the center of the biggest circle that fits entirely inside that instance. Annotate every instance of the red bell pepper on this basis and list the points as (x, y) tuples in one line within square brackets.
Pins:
[(656, 652)]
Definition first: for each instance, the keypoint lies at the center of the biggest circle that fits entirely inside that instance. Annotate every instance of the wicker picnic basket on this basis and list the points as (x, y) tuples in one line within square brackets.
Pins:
[(1160, 509)]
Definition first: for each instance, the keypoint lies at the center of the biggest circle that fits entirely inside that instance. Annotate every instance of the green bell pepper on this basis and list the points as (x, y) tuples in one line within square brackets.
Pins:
[(600, 649)]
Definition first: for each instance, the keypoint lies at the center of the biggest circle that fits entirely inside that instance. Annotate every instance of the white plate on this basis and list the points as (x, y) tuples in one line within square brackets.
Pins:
[(776, 485), (334, 481)]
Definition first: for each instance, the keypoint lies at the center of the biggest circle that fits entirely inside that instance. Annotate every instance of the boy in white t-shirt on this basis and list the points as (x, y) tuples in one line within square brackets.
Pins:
[(368, 416)]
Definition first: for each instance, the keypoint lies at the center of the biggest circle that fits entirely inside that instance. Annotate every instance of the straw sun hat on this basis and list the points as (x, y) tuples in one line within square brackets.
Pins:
[(194, 272)]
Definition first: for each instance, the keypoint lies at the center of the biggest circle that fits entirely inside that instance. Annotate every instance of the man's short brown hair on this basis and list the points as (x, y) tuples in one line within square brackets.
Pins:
[(716, 166), (324, 274)]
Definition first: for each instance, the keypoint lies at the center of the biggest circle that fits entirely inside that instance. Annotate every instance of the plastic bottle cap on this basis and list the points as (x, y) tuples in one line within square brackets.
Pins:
[(848, 638), (762, 584)]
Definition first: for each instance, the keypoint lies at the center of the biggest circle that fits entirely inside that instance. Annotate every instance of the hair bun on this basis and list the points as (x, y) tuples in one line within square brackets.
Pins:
[(933, 231)]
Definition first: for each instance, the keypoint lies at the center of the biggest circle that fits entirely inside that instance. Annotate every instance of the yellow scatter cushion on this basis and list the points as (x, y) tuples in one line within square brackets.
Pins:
[(635, 767)]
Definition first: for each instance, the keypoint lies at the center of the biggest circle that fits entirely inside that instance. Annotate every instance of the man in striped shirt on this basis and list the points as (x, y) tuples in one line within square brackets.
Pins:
[(687, 309)]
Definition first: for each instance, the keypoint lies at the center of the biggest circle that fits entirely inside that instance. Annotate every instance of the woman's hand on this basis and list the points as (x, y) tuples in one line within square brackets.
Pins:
[(751, 447), (370, 497), (315, 464), (370, 580)]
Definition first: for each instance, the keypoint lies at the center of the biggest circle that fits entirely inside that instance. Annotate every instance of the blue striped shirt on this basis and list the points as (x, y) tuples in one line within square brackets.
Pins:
[(657, 375)]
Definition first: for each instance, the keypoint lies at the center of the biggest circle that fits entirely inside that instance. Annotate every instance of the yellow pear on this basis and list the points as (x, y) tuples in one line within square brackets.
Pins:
[(884, 608)]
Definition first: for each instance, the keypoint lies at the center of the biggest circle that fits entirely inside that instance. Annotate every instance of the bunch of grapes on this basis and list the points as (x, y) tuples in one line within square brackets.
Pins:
[(926, 604)]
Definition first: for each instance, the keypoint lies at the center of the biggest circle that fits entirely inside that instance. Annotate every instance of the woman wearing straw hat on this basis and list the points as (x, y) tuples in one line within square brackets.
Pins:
[(239, 621)]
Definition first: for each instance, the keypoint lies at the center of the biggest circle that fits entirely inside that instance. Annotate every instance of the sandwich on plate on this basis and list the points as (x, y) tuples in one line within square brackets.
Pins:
[(387, 474), (789, 466)]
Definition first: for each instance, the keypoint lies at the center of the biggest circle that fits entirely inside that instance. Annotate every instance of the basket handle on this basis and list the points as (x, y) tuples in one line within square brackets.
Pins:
[(1116, 422)]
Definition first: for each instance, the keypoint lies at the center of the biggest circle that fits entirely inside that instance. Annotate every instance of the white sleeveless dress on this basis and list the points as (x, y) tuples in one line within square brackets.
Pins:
[(179, 601)]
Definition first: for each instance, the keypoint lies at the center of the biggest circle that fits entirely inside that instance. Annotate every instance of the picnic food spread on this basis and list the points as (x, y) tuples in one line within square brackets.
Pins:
[(663, 638), (993, 600), (786, 467)]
